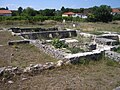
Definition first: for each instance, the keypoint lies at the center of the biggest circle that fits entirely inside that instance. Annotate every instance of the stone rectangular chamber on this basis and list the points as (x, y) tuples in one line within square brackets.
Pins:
[(50, 34)]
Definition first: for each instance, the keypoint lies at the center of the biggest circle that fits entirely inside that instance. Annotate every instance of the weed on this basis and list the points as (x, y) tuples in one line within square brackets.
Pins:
[(112, 63)]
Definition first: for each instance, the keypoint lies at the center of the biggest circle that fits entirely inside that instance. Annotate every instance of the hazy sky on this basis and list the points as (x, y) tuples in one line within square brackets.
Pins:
[(57, 4)]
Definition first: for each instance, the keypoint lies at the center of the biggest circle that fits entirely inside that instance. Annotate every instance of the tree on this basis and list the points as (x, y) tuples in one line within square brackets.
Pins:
[(7, 8), (48, 12), (63, 9), (2, 8), (91, 18), (81, 10), (20, 10), (29, 12), (102, 13)]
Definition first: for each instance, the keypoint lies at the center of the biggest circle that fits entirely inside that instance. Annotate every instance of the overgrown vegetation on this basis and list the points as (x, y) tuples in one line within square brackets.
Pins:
[(112, 63), (59, 44), (100, 14), (117, 50), (75, 50), (40, 18)]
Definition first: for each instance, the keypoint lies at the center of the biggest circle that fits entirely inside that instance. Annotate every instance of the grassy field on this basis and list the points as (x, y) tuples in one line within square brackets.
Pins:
[(23, 23), (6, 36), (20, 55), (95, 27), (97, 75), (83, 26)]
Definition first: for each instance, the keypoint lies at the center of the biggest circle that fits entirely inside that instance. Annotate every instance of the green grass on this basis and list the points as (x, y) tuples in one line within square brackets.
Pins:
[(98, 26), (112, 63), (20, 55), (23, 55), (6, 36)]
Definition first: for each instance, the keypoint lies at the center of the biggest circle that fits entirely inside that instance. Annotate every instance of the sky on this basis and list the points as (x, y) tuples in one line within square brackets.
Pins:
[(57, 4)]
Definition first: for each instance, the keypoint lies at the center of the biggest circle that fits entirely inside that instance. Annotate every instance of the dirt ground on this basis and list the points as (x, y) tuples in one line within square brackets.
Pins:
[(95, 76)]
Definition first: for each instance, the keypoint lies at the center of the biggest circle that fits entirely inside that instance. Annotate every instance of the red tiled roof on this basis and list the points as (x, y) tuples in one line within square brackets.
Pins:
[(68, 13), (116, 10), (5, 12)]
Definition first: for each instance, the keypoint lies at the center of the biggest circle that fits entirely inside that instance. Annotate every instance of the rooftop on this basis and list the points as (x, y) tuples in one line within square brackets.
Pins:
[(115, 10), (5, 12), (69, 13)]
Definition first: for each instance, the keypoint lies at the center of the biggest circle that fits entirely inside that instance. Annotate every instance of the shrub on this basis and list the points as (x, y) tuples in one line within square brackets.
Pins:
[(117, 50), (59, 44)]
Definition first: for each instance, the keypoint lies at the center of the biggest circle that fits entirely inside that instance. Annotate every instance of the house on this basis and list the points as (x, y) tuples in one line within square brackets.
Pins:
[(115, 11), (72, 14), (68, 14), (81, 15), (5, 13)]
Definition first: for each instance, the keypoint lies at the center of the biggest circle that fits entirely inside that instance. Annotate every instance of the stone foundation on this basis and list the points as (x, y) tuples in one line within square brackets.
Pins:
[(113, 55)]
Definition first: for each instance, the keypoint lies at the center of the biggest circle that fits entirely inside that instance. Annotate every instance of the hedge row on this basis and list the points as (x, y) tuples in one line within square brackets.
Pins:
[(40, 18)]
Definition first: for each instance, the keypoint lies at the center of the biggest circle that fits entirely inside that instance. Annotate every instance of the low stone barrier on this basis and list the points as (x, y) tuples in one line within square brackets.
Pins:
[(10, 71), (95, 55), (113, 55), (18, 42), (60, 54), (56, 53), (20, 30)]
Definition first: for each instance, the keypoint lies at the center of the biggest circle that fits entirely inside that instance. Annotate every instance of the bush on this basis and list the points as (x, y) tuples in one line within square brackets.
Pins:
[(59, 44), (117, 50), (116, 17), (40, 18)]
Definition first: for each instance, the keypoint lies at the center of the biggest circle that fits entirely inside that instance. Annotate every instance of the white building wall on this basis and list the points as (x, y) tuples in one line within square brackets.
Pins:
[(63, 15), (5, 14)]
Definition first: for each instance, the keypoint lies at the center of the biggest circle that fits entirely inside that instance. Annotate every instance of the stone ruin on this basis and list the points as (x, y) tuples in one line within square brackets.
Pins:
[(41, 38)]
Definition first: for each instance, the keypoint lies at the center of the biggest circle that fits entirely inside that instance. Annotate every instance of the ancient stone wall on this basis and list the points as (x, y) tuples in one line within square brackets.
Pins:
[(50, 34), (113, 55), (15, 42), (57, 53), (21, 30)]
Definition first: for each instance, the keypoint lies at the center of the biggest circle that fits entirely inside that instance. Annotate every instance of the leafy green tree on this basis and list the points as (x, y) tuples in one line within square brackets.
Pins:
[(7, 8), (2, 8), (29, 12), (20, 10), (102, 13), (14, 13), (48, 12), (91, 17), (81, 10)]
